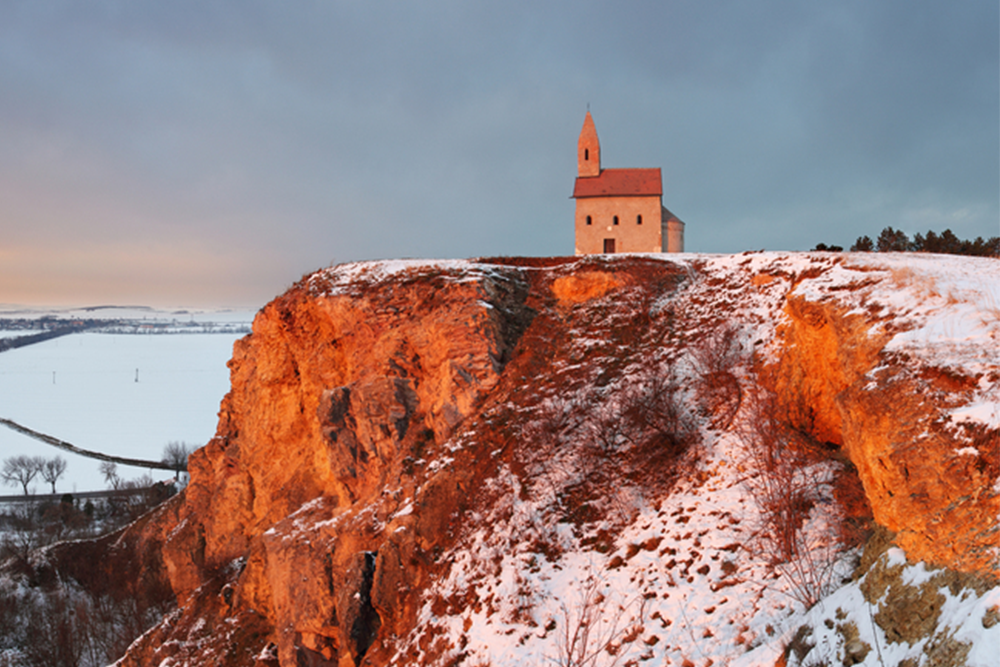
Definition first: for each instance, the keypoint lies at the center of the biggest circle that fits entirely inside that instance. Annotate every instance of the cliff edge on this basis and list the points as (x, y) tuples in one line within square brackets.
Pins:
[(617, 458)]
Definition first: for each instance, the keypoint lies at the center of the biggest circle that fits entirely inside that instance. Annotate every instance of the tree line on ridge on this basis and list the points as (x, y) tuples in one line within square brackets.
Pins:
[(895, 240)]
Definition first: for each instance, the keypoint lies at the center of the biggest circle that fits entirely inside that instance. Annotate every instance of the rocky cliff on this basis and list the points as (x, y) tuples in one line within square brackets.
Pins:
[(625, 458)]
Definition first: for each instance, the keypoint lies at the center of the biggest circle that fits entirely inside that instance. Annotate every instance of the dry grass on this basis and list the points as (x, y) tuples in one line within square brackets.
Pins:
[(925, 285)]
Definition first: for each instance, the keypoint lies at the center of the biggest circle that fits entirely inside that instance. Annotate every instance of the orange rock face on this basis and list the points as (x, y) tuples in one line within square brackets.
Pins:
[(925, 478), (584, 286), (336, 396), (372, 403)]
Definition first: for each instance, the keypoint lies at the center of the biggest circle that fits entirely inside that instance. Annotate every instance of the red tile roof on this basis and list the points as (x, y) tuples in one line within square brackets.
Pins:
[(617, 182)]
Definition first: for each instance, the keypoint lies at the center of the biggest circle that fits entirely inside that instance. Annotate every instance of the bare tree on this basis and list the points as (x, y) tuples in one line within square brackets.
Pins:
[(175, 455), (21, 470), (52, 470), (110, 472)]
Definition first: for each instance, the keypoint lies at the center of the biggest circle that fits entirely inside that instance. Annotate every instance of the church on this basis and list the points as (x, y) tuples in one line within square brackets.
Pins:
[(620, 210)]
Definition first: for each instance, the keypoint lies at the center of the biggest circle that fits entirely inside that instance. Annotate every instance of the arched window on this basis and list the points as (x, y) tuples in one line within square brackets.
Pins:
[(638, 219), (616, 220), (589, 220), (586, 153)]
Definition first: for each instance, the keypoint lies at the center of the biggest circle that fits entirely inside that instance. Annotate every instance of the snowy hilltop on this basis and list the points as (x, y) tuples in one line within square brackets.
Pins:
[(756, 459)]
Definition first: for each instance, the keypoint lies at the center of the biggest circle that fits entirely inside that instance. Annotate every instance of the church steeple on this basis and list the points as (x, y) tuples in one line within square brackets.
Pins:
[(588, 150)]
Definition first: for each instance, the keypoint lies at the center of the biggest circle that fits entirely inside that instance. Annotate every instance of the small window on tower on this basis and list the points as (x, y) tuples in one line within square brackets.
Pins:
[(616, 220), (638, 219), (589, 220), (586, 153)]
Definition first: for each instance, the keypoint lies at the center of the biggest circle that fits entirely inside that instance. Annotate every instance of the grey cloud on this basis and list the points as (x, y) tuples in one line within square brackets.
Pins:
[(293, 134)]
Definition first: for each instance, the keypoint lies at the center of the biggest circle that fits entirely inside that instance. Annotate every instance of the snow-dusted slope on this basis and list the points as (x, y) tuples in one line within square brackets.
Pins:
[(683, 576), (662, 459)]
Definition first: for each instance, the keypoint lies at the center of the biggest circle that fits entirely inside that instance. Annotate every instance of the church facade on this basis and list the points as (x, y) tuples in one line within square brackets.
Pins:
[(620, 210)]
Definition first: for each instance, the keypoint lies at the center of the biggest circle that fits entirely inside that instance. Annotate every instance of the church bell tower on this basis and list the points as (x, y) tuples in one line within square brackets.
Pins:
[(588, 150)]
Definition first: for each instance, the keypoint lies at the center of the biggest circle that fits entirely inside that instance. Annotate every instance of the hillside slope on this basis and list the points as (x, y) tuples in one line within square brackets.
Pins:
[(613, 459)]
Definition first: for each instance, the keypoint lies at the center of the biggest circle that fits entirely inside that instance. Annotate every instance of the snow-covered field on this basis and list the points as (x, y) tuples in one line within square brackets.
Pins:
[(127, 395)]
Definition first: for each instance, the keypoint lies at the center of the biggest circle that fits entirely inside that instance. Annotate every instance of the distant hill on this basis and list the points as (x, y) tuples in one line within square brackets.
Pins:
[(40, 324)]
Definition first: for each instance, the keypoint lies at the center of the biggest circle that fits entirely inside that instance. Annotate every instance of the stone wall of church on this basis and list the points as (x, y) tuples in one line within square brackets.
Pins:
[(673, 232), (628, 235)]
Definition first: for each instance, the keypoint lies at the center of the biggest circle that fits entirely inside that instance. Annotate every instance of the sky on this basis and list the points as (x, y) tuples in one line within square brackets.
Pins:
[(210, 152)]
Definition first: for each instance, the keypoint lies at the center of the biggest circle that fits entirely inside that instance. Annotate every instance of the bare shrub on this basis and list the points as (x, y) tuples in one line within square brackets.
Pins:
[(88, 612), (84, 606), (636, 433), (714, 358), (56, 635), (785, 482), (596, 628), (21, 535), (597, 439), (65, 627), (647, 418), (654, 412), (775, 487), (12, 623), (61, 520)]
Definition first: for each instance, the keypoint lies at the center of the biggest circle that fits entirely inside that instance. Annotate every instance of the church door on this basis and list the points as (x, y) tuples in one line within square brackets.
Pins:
[(609, 245)]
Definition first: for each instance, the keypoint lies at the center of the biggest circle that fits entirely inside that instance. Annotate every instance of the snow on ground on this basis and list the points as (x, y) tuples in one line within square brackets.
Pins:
[(346, 279), (681, 578), (952, 307), (947, 306), (685, 583), (82, 388), (965, 623)]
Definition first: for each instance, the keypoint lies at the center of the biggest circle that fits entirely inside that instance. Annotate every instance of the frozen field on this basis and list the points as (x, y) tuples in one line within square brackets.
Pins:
[(83, 389)]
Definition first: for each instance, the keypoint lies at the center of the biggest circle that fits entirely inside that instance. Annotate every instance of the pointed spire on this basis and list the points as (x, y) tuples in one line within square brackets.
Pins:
[(588, 149)]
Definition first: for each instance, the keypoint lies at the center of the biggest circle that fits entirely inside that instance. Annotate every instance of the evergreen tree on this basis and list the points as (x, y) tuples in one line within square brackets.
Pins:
[(891, 240), (863, 244)]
